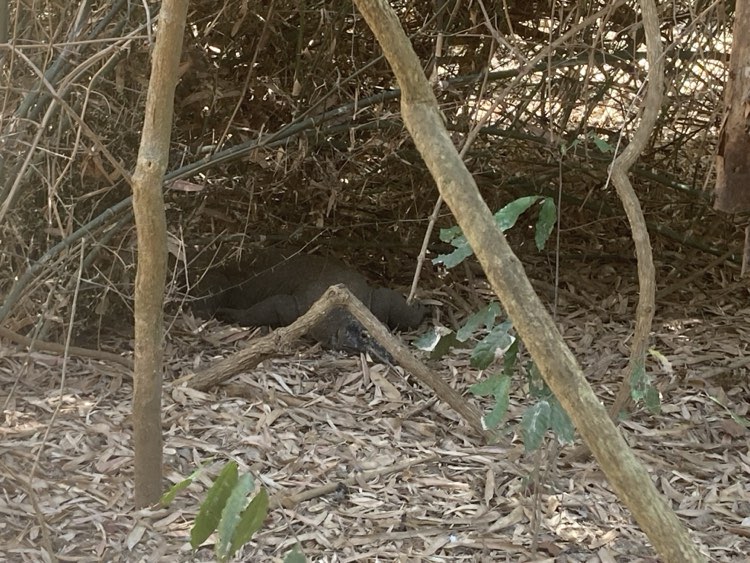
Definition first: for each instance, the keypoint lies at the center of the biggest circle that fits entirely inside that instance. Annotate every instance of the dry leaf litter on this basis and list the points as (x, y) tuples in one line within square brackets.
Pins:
[(422, 486)]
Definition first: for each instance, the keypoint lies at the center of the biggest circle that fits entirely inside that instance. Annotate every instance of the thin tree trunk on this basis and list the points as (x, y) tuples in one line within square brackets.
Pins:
[(151, 225)]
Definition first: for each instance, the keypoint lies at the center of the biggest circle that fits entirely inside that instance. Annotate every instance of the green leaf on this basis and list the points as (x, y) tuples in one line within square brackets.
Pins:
[(483, 355), (505, 219), (456, 257), (496, 385), (295, 556), (499, 387), (510, 358), (437, 344), (484, 317), (493, 419), (564, 148), (428, 340), (535, 422), (537, 386), (560, 422), (169, 496), (210, 513), (444, 346), (251, 520), (546, 222), (485, 350), (651, 400), (602, 145), (462, 251), (447, 235), (508, 215), (230, 516), (642, 389), (638, 382)]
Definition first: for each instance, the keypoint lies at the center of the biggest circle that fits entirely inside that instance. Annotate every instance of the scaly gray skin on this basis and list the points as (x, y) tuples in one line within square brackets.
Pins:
[(351, 336), (283, 290)]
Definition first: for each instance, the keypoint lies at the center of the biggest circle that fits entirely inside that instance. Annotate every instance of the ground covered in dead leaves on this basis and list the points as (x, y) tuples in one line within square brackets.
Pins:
[(377, 470)]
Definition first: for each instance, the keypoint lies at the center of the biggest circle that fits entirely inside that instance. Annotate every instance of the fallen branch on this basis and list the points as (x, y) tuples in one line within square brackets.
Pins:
[(334, 297)]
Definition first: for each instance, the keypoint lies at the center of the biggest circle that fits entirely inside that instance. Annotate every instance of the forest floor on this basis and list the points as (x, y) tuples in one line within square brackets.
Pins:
[(422, 486)]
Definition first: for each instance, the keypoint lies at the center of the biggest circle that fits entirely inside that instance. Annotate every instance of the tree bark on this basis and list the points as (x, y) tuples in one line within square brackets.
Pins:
[(505, 272), (733, 158), (151, 226)]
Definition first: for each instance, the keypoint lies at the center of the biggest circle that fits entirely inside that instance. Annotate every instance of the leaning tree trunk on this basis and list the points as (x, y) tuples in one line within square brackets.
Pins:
[(507, 277)]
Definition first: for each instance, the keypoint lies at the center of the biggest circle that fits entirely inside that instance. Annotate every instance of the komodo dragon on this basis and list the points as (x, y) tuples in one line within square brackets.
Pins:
[(282, 289)]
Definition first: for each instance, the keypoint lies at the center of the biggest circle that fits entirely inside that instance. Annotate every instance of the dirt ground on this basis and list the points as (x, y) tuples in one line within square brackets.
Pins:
[(421, 484)]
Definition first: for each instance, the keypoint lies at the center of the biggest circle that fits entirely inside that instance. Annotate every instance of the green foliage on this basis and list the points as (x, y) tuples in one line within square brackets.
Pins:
[(240, 520), (534, 424), (601, 145), (498, 341), (508, 215), (483, 318), (210, 512), (495, 343), (440, 344), (462, 251), (546, 414), (642, 389), (560, 422), (230, 515), (227, 511), (546, 223), (499, 387), (295, 556), (167, 498), (504, 219), (437, 344)]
